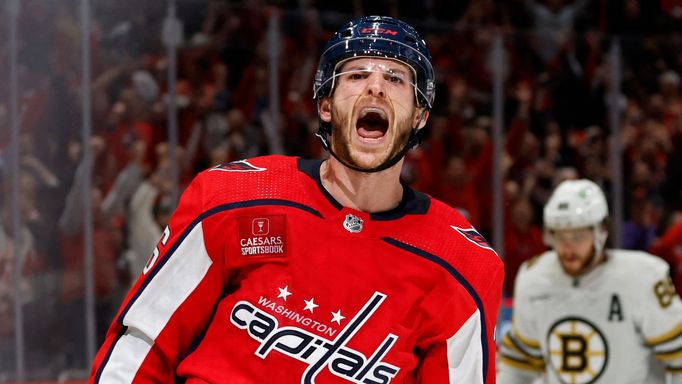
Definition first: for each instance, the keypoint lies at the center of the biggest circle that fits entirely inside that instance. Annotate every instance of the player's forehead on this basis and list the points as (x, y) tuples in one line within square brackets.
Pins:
[(376, 64)]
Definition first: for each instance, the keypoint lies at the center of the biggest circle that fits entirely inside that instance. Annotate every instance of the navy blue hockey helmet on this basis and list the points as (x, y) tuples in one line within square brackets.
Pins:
[(377, 36)]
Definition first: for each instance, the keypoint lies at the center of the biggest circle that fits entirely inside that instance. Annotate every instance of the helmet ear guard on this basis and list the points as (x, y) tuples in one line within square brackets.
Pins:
[(600, 236)]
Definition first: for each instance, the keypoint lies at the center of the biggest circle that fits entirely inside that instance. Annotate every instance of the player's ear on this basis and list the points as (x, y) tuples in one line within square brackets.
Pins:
[(419, 117), (325, 109)]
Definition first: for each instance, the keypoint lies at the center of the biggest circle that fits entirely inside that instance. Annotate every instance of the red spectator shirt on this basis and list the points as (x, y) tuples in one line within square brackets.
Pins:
[(262, 277), (669, 247)]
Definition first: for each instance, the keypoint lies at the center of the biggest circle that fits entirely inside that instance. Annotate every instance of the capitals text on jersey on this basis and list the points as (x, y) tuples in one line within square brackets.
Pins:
[(316, 351)]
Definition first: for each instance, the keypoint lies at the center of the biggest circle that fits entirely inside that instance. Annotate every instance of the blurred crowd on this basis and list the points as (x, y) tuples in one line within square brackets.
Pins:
[(559, 94)]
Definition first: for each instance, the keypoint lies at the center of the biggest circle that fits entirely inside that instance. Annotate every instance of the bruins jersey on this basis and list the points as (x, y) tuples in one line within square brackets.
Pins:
[(607, 326)]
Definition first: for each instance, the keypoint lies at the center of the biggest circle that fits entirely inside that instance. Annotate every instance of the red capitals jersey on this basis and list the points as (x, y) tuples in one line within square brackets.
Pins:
[(262, 277)]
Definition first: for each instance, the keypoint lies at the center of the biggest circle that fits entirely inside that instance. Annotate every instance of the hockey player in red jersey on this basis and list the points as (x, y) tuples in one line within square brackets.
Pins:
[(285, 270)]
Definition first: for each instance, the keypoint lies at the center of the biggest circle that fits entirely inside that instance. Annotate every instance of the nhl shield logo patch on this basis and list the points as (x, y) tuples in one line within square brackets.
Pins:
[(353, 224)]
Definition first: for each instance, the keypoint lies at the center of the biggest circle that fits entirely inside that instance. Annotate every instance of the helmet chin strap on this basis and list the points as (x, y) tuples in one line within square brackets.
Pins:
[(412, 141), (600, 236)]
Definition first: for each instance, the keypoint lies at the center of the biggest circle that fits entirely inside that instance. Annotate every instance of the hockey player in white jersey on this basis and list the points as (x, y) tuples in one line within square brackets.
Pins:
[(584, 314)]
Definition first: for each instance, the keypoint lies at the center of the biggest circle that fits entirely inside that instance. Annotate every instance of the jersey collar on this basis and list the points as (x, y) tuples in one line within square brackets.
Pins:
[(412, 203)]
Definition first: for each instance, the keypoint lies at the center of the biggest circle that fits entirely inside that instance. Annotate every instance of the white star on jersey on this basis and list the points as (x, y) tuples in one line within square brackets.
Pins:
[(310, 305), (337, 317), (284, 292)]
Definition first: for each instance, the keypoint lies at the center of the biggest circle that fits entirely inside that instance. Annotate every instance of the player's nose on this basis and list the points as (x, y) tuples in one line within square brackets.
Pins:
[(375, 85)]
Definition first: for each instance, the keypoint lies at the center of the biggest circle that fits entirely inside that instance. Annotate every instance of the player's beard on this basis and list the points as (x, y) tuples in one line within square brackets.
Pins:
[(585, 264), (342, 131)]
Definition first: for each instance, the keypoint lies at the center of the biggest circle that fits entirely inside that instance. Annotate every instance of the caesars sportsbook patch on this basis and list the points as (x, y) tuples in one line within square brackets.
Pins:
[(262, 235)]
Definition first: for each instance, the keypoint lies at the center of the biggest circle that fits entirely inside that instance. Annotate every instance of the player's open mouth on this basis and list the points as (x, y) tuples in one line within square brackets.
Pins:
[(372, 123)]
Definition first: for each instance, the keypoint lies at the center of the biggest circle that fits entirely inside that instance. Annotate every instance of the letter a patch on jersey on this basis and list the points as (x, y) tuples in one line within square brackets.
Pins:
[(472, 235), (238, 166)]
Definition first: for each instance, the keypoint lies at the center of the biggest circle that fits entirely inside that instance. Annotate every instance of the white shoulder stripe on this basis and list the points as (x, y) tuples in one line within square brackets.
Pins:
[(465, 354), (170, 287), (152, 310), (130, 351)]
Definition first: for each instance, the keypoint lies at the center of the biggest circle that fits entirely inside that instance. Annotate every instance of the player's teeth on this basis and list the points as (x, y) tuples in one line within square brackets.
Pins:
[(369, 110)]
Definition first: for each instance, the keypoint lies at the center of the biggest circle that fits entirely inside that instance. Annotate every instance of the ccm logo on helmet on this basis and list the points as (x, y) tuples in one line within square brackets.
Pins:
[(379, 31)]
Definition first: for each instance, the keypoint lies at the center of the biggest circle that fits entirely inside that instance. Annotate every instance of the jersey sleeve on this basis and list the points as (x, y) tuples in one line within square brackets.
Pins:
[(661, 319), (521, 359), (467, 354), (170, 304)]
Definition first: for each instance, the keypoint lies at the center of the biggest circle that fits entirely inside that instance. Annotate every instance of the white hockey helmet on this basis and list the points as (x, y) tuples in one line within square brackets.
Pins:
[(577, 204)]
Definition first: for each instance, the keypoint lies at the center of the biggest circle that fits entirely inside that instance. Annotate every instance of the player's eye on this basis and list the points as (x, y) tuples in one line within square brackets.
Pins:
[(394, 79), (357, 75)]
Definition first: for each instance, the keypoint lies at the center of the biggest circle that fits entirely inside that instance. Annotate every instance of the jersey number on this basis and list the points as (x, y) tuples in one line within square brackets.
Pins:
[(665, 292), (155, 254)]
